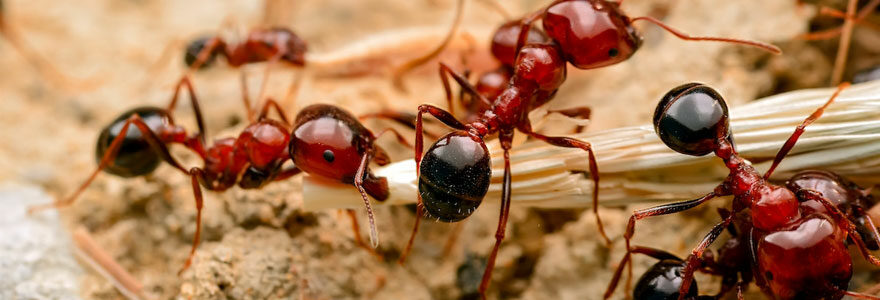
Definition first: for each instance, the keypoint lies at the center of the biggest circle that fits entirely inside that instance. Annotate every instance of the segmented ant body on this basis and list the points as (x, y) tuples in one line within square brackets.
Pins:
[(260, 45), (785, 225), (324, 141), (454, 174)]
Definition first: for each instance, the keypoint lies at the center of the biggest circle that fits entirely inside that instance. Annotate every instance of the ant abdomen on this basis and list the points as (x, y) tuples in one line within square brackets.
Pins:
[(135, 156), (195, 47), (691, 118), (662, 282), (454, 176)]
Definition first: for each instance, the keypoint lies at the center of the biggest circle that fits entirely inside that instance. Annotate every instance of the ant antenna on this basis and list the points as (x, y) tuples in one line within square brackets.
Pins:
[(412, 64), (800, 130), (684, 36)]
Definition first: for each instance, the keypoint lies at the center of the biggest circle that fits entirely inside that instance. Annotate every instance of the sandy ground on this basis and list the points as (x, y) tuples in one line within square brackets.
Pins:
[(258, 244)]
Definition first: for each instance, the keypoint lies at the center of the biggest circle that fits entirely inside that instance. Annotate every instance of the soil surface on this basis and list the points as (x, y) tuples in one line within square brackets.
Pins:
[(258, 244)]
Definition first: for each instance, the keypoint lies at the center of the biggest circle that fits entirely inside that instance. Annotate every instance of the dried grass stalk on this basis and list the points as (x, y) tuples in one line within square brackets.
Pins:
[(637, 167)]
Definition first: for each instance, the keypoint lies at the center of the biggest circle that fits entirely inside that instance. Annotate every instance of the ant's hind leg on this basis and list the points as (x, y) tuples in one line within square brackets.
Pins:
[(110, 155), (196, 175)]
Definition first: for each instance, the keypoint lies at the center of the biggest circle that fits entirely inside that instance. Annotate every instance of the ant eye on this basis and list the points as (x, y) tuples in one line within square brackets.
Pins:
[(613, 52), (691, 118), (328, 156)]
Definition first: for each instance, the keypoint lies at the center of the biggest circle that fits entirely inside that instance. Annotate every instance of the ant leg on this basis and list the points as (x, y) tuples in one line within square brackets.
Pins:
[(356, 228), (858, 295), (764, 46), (448, 119), (359, 184), (502, 222), (660, 210), (524, 28), (43, 66), (652, 252), (155, 143), (800, 130), (194, 101), (693, 260), (842, 221), (246, 98), (270, 103), (399, 72), (462, 81), (196, 175), (594, 171)]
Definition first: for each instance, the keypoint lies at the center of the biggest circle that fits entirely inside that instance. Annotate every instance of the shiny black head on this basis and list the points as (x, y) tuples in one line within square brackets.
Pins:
[(662, 281), (195, 47), (691, 118), (135, 156), (455, 174)]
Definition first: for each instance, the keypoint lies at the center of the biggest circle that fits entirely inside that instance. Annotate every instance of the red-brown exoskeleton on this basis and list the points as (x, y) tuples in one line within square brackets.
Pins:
[(260, 45), (454, 173), (786, 226), (325, 141)]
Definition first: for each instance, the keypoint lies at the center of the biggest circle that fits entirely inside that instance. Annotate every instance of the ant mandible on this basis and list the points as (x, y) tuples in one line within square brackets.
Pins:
[(456, 173), (326, 141), (785, 224)]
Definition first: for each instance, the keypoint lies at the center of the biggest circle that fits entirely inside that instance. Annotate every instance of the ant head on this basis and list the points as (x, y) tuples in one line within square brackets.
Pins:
[(135, 156), (265, 143), (195, 48), (691, 119), (328, 141), (505, 38), (454, 176), (591, 33), (662, 281), (541, 65)]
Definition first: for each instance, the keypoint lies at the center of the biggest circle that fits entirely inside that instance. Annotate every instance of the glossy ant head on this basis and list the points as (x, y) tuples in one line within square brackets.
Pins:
[(662, 281), (195, 47), (454, 176), (505, 38), (541, 65), (591, 33), (691, 118), (329, 142), (135, 156)]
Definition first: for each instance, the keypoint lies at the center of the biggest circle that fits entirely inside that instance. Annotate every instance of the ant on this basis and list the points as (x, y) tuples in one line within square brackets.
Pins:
[(261, 45), (784, 225), (324, 141), (455, 174)]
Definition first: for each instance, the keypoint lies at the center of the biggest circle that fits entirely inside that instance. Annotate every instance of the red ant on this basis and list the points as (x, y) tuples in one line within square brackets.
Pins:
[(784, 225), (456, 173), (324, 141), (261, 45)]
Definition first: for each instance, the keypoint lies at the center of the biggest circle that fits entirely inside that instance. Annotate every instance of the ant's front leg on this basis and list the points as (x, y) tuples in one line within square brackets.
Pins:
[(445, 72), (194, 101), (693, 260)]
